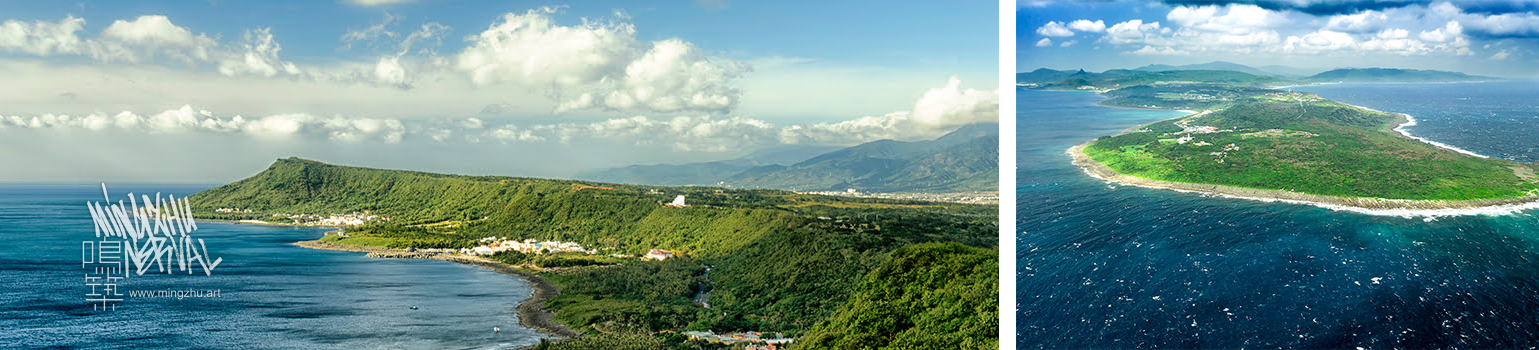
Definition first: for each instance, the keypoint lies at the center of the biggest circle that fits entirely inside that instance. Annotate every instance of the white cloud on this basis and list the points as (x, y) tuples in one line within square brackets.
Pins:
[(1088, 26), (531, 48), (145, 37), (1236, 19), (1044, 42), (1524, 24), (1398, 46), (471, 123), (1133, 31), (1508, 24), (599, 65), (511, 133), (1191, 15), (373, 32), (1067, 43), (1054, 28), (1393, 33), (672, 76), (149, 35), (684, 133), (377, 2), (260, 57), (1318, 41), (389, 71), (1362, 22), (1249, 29), (1447, 32), (1150, 50), (938, 111), (429, 31), (42, 38), (1500, 55), (186, 120), (1033, 3)]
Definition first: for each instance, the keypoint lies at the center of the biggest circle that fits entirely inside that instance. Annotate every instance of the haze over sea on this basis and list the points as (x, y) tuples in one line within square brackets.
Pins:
[(1110, 266), (272, 294)]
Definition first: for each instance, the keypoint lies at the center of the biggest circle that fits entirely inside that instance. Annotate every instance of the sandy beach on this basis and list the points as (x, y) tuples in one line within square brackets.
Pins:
[(1376, 206), (531, 313)]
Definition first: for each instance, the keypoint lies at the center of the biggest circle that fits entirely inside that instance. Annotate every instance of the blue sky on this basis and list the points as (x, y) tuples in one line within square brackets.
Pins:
[(538, 88), (1479, 37)]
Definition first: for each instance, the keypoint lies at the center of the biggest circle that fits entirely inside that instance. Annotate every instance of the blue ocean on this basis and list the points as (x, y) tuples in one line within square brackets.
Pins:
[(271, 294), (1107, 266)]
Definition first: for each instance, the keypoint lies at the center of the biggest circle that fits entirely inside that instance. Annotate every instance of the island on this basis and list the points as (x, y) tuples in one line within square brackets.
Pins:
[(1254, 140), (646, 267)]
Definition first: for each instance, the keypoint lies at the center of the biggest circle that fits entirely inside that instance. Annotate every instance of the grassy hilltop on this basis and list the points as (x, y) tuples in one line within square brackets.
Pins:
[(780, 261)]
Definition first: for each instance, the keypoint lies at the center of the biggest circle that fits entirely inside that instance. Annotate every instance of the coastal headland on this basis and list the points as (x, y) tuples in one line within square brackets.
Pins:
[(1255, 137), (1265, 120), (634, 264)]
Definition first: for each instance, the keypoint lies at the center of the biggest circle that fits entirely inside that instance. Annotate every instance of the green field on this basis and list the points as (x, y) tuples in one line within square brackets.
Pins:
[(1303, 143)]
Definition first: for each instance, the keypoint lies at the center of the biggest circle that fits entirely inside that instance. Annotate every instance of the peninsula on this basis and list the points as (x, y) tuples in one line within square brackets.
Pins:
[(1254, 141)]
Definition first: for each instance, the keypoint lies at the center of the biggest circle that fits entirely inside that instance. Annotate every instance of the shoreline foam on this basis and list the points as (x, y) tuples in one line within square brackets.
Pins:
[(531, 312)]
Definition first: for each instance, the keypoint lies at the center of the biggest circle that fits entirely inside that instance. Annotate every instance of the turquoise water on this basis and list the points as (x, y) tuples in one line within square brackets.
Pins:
[(1107, 266), (272, 294)]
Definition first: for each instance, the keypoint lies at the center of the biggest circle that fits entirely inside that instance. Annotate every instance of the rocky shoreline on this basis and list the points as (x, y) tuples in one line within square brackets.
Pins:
[(1103, 172), (531, 313)]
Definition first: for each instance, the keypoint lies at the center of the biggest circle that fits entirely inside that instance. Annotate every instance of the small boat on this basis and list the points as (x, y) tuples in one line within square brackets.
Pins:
[(414, 308), (496, 330)]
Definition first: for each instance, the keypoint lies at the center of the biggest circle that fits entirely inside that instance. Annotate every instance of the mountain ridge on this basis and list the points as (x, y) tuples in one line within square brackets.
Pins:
[(876, 166)]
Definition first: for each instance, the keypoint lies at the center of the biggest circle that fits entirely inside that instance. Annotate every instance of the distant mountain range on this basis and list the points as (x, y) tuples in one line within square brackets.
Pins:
[(704, 173), (1121, 78), (1390, 75), (964, 160), (1215, 65), (1231, 73)]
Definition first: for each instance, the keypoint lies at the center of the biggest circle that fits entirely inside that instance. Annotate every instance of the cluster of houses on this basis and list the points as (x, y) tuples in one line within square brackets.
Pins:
[(755, 340), (232, 210), (956, 197), (493, 245), (342, 220), (658, 254)]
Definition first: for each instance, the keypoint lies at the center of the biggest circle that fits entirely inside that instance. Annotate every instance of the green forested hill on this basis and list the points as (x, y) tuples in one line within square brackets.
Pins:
[(782, 261), (915, 301)]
